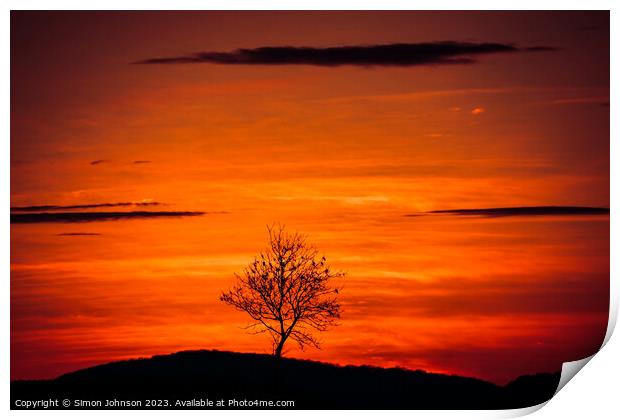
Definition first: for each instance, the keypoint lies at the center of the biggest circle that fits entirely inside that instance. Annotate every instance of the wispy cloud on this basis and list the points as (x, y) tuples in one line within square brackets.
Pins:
[(141, 162), (523, 211), (597, 100), (79, 234), (51, 207), (82, 217), (98, 161), (410, 54), (540, 48)]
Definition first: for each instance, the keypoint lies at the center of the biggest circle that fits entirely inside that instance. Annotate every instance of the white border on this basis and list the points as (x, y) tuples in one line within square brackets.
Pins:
[(591, 395)]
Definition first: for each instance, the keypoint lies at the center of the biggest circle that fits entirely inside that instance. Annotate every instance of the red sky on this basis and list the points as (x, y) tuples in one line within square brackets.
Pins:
[(340, 153)]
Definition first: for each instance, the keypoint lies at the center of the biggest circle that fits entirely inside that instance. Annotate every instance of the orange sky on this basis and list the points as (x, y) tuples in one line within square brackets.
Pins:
[(340, 153)]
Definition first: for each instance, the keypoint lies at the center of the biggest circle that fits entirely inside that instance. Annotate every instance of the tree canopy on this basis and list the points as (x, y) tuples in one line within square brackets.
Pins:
[(286, 291)]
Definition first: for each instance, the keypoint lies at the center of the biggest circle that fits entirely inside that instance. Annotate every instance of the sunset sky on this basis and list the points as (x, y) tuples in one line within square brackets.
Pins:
[(349, 128)]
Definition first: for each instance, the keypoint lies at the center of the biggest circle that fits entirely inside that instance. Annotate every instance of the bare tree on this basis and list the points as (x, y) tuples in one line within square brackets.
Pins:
[(286, 291)]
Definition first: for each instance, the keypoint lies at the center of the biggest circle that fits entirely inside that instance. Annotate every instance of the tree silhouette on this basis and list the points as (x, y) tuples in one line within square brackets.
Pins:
[(286, 291)]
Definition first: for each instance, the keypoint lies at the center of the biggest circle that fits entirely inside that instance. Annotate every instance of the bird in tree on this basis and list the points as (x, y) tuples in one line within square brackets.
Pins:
[(286, 291)]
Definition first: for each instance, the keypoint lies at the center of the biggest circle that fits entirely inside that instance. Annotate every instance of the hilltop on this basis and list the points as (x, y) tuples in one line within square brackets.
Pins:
[(194, 376)]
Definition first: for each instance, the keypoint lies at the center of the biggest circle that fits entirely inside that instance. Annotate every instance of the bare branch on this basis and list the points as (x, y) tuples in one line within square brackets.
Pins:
[(286, 291)]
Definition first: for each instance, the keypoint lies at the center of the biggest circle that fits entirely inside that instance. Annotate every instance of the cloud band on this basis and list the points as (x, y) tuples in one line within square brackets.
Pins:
[(402, 55), (82, 217), (525, 211)]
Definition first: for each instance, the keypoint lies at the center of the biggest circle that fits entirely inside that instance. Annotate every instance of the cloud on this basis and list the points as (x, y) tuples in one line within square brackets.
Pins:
[(417, 54), (98, 161), (540, 48), (597, 100), (523, 211), (477, 111), (50, 207), (141, 162), (82, 217), (79, 234)]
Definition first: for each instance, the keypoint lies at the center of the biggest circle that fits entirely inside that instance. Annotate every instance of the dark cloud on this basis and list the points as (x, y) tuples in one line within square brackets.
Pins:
[(540, 48), (50, 207), (524, 211), (98, 162), (79, 234), (140, 162), (426, 53), (81, 217)]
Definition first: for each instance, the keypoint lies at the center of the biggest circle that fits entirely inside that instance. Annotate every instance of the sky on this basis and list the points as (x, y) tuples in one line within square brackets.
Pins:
[(150, 150)]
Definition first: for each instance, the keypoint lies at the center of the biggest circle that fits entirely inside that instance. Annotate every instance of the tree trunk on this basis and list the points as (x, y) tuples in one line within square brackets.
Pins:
[(277, 365), (278, 352)]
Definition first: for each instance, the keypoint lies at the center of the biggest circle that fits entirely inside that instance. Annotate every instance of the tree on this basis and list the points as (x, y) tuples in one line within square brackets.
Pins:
[(286, 291)]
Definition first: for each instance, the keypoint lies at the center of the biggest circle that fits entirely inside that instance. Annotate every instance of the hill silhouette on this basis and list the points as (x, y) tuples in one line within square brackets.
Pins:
[(190, 376)]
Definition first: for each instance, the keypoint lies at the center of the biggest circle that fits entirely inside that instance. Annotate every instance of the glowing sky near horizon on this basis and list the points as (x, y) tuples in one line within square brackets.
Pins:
[(339, 153)]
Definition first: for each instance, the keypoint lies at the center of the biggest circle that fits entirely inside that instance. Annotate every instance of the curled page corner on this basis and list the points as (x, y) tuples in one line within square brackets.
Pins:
[(569, 370), (520, 412), (613, 312)]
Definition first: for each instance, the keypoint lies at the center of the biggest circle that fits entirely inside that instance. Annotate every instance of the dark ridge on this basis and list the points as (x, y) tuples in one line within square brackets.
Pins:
[(82, 217), (525, 211), (139, 162), (98, 161), (219, 375), (51, 207), (412, 54)]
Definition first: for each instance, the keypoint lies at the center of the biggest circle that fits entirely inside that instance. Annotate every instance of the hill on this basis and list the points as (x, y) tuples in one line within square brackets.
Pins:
[(196, 379)]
